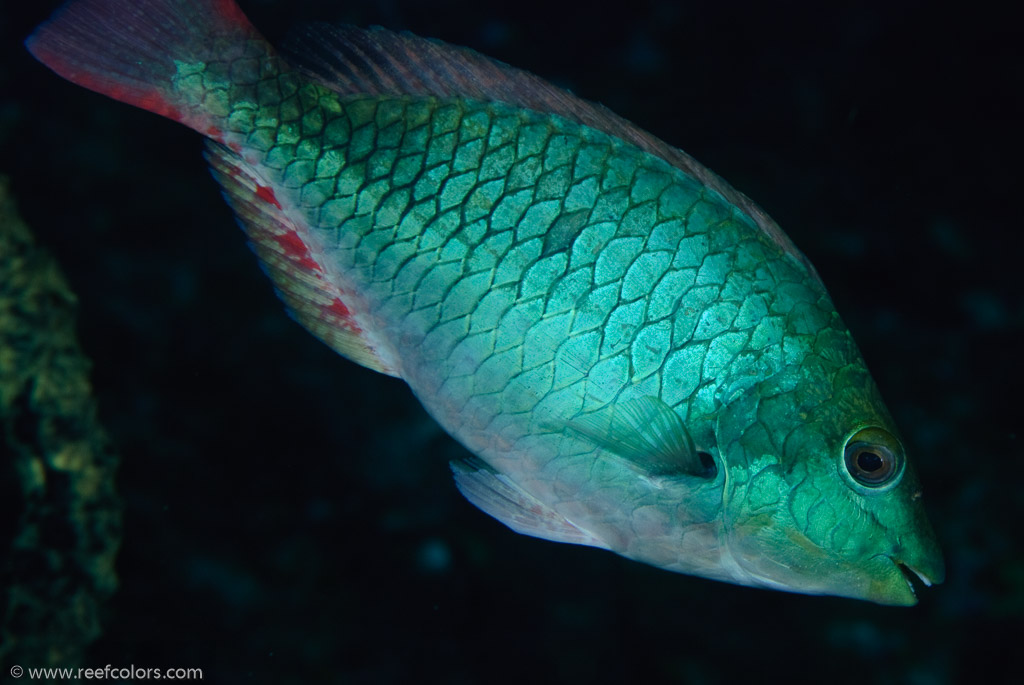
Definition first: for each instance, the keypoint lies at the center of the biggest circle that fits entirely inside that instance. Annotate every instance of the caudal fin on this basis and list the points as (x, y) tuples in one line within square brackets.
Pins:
[(166, 56)]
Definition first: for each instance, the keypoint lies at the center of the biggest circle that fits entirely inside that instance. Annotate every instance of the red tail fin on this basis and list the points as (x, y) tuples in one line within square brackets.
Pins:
[(142, 51)]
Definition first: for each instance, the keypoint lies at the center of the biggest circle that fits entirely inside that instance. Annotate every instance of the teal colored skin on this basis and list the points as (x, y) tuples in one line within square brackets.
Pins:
[(522, 272), (526, 270)]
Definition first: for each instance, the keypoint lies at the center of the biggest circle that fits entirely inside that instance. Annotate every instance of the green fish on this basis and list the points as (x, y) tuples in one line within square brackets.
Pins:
[(638, 357)]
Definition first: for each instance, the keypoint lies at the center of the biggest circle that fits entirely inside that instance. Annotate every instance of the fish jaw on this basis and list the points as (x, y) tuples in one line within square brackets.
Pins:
[(880, 579), (913, 575), (896, 586), (922, 563), (769, 550)]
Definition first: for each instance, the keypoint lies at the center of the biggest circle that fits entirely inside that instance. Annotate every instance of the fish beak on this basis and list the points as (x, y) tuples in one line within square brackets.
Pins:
[(912, 575), (919, 563), (908, 570)]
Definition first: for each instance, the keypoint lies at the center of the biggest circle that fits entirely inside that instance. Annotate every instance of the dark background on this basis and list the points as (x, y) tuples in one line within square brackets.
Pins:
[(290, 517)]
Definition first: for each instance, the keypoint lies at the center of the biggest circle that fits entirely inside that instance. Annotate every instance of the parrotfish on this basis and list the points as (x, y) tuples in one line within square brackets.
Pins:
[(636, 355)]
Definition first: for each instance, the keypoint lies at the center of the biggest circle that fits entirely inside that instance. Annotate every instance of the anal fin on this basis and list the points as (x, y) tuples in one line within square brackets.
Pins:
[(496, 495), (308, 287)]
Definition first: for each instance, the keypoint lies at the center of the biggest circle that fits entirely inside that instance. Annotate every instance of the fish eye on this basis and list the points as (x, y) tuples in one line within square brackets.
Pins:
[(874, 457)]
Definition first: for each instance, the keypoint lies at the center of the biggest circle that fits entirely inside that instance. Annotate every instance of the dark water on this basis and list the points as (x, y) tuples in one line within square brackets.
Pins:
[(290, 517)]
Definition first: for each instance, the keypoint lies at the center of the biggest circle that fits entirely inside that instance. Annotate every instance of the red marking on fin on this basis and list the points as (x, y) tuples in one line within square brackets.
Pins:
[(231, 13), (151, 99), (316, 295), (296, 249), (266, 193), (338, 307), (292, 244)]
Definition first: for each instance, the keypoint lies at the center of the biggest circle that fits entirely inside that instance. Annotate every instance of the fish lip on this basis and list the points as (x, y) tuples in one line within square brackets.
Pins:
[(911, 574)]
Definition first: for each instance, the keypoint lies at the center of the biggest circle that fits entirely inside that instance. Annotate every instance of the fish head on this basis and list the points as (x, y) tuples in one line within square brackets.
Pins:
[(820, 496)]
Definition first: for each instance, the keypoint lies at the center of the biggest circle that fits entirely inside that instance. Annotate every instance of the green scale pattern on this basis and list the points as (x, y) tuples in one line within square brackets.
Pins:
[(524, 265), (534, 280)]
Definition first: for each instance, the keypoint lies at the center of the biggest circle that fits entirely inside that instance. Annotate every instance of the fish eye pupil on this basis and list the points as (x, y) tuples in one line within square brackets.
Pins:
[(869, 462), (871, 465)]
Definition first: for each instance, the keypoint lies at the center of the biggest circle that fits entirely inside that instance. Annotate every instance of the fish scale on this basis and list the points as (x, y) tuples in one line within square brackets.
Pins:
[(637, 356)]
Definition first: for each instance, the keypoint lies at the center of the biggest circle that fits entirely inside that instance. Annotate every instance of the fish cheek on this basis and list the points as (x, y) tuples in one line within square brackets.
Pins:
[(818, 513), (756, 515), (787, 526)]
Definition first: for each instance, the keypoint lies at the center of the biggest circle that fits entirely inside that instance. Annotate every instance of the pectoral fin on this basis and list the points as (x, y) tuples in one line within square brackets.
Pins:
[(495, 494), (646, 434)]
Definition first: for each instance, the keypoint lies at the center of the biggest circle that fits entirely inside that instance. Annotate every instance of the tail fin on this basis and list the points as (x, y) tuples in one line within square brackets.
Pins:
[(165, 56)]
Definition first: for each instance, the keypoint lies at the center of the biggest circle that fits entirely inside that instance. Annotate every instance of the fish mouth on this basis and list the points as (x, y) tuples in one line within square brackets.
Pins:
[(911, 575)]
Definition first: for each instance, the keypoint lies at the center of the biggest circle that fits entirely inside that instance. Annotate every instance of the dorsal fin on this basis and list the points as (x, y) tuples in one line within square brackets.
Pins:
[(351, 60), (314, 295)]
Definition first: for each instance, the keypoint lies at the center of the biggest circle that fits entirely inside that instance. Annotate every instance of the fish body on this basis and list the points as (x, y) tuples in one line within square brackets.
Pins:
[(638, 357)]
